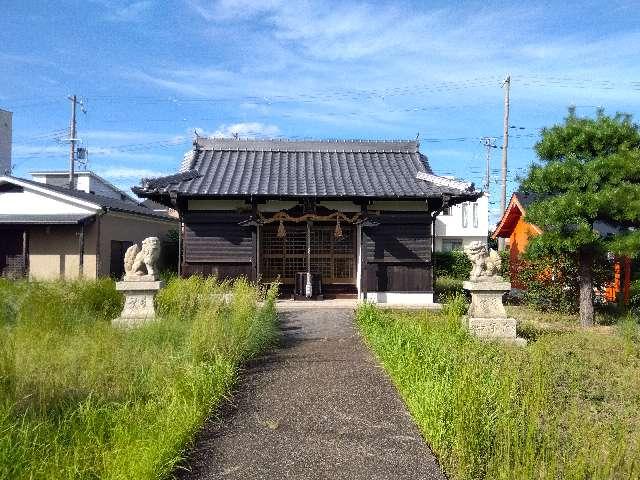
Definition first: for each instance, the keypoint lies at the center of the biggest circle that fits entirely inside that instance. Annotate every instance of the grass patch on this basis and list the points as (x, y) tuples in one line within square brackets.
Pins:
[(80, 399), (447, 287), (567, 406)]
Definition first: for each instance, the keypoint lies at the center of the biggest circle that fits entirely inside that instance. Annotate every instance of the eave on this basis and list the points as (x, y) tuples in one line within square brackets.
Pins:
[(510, 218)]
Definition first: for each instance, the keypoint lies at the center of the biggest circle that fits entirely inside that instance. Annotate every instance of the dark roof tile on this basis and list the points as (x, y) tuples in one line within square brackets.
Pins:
[(55, 219), (226, 167)]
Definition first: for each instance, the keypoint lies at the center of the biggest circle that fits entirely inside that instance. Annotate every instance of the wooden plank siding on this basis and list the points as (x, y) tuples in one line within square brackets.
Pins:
[(398, 253), (215, 244)]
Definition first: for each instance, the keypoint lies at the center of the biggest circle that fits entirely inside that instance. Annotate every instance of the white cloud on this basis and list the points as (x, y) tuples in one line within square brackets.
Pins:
[(21, 150), (131, 136), (129, 173), (128, 12), (183, 87), (229, 9), (242, 130), (382, 66)]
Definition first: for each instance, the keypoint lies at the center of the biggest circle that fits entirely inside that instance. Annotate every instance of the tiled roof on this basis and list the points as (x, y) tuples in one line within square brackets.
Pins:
[(45, 219), (526, 199), (513, 212), (231, 167), (109, 203)]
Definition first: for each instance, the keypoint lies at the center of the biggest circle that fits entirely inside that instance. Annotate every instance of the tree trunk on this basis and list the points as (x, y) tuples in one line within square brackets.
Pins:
[(585, 259)]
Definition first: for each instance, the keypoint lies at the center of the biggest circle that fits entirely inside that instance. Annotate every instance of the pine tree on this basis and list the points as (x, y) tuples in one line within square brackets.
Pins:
[(588, 175)]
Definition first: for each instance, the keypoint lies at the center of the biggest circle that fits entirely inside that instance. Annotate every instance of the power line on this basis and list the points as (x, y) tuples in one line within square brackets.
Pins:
[(489, 144)]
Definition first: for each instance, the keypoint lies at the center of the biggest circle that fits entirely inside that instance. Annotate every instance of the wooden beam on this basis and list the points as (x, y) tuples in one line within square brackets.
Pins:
[(81, 253), (255, 234), (363, 256), (179, 243), (308, 238), (25, 251)]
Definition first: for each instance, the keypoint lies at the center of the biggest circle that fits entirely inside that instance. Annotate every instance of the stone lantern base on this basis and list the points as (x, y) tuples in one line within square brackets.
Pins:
[(487, 318), (138, 301)]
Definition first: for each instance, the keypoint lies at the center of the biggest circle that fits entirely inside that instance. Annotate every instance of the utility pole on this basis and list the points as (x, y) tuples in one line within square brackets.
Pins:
[(505, 147), (72, 140), (488, 143)]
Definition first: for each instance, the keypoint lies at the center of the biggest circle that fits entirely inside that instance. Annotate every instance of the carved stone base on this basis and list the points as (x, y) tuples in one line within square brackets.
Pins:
[(486, 298), (140, 278), (487, 317), (138, 302), (503, 329)]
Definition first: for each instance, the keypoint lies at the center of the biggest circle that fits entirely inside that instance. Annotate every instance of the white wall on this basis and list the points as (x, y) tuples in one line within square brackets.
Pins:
[(475, 228), (33, 203)]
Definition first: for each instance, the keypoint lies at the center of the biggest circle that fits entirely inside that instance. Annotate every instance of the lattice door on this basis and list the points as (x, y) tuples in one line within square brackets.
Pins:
[(333, 258)]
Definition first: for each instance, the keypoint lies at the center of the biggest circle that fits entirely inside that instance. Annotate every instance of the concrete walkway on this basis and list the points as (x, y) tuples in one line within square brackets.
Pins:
[(318, 407)]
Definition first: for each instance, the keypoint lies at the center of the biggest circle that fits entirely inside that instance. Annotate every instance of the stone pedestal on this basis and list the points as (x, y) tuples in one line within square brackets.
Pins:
[(487, 317), (138, 300)]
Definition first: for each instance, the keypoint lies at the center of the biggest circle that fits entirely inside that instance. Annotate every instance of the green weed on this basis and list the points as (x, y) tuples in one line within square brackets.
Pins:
[(81, 399), (564, 407)]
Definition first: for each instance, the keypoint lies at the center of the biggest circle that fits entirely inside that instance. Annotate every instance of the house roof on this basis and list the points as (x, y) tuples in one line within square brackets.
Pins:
[(44, 219), (318, 168), (518, 207), (96, 201), (526, 199), (515, 210), (83, 173), (154, 205)]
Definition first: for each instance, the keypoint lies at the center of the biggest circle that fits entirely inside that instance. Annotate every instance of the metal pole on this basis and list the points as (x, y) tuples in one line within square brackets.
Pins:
[(505, 148), (72, 149)]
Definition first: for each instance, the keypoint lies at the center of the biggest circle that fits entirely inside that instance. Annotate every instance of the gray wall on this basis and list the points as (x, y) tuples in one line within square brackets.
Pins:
[(5, 142)]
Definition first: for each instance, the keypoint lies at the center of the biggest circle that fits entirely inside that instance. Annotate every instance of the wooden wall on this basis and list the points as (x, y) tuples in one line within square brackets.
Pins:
[(398, 254), (215, 244)]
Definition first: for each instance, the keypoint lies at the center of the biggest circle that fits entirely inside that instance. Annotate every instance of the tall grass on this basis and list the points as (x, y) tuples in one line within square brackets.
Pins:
[(81, 399), (565, 407)]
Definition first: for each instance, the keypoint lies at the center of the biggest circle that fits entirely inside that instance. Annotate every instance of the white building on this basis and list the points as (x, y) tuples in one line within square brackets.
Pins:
[(5, 142), (48, 231), (462, 224), (85, 181)]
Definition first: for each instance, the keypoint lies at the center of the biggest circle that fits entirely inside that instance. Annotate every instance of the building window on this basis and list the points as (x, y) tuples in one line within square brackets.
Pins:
[(475, 215), (465, 215), (450, 244)]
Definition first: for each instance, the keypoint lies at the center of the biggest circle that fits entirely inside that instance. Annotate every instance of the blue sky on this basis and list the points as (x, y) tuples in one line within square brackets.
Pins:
[(151, 72)]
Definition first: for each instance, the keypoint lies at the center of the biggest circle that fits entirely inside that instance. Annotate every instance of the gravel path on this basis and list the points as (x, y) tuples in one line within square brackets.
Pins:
[(317, 407)]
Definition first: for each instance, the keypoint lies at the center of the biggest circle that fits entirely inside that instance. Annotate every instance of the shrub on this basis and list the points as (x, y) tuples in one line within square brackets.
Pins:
[(505, 265), (454, 264), (455, 305), (634, 297), (447, 286), (552, 284)]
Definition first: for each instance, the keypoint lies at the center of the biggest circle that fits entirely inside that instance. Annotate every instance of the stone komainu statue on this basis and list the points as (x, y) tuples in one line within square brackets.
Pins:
[(137, 260), (485, 263)]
